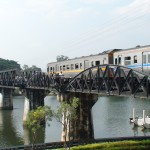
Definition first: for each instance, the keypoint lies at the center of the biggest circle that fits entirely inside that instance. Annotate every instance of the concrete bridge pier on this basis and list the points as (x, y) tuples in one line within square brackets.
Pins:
[(6, 98), (82, 128), (33, 99)]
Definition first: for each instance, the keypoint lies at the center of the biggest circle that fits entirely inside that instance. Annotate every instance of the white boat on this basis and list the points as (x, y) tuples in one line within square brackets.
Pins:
[(139, 121)]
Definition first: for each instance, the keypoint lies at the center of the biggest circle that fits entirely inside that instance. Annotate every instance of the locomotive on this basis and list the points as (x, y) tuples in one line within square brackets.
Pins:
[(137, 58)]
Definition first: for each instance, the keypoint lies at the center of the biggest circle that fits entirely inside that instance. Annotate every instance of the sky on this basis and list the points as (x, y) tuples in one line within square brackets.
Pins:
[(35, 32)]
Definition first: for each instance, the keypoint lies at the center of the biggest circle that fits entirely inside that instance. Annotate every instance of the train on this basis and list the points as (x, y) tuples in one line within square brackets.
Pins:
[(137, 58)]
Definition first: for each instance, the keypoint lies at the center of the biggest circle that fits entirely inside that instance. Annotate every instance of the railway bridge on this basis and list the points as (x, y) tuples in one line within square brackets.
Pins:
[(87, 85)]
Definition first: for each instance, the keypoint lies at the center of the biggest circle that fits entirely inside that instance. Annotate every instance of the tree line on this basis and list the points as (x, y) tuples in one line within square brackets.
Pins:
[(11, 64), (8, 64)]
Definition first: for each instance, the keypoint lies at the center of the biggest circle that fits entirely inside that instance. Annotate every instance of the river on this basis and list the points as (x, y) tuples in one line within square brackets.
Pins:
[(110, 118)]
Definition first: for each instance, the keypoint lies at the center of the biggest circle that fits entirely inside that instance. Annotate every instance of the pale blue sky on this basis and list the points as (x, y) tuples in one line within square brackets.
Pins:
[(34, 32)]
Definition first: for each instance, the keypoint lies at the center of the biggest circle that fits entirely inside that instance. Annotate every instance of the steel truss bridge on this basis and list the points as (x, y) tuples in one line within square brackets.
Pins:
[(102, 79)]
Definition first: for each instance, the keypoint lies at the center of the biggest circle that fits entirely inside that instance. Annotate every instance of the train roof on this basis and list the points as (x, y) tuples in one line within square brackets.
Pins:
[(133, 48), (102, 53)]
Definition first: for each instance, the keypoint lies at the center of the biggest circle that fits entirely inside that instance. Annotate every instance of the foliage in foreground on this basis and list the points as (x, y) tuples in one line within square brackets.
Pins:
[(66, 113), (37, 118), (121, 145)]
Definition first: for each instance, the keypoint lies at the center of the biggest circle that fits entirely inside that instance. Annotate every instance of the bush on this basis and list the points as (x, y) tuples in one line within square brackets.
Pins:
[(121, 145)]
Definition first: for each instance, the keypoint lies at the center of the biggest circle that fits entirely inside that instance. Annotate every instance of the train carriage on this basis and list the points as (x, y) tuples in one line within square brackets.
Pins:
[(72, 67), (137, 58)]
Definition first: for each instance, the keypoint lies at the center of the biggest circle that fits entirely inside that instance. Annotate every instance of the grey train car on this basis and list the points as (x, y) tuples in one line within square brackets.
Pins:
[(72, 67), (137, 58)]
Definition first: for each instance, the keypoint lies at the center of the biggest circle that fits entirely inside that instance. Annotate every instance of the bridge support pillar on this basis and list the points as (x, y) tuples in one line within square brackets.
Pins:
[(33, 99), (6, 98), (82, 128), (84, 124)]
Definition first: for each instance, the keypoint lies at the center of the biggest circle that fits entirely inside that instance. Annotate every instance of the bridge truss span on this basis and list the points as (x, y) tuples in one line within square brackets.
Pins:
[(111, 80), (27, 80), (101, 79)]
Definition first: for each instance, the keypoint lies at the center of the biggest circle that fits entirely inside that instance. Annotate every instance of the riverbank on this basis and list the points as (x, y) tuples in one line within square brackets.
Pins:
[(120, 145), (133, 143)]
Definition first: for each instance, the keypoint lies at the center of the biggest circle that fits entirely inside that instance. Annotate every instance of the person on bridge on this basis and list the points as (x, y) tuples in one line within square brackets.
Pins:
[(61, 75)]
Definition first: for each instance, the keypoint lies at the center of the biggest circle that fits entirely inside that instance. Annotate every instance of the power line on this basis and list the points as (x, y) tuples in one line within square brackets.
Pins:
[(122, 19)]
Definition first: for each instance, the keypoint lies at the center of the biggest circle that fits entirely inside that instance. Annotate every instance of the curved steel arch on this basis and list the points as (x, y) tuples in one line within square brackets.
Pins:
[(110, 79)]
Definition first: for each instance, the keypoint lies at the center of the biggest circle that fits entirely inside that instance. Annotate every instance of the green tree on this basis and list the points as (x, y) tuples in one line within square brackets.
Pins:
[(8, 64), (37, 118), (25, 67), (66, 113), (33, 68), (61, 58)]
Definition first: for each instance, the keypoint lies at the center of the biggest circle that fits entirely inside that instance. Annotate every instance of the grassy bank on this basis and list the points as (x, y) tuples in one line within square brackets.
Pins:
[(122, 145)]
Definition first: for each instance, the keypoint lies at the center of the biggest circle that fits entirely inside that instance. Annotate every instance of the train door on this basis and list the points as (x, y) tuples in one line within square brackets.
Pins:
[(146, 62), (86, 64)]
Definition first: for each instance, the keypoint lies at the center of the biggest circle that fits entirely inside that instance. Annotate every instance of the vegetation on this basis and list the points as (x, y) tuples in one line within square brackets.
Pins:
[(65, 114), (8, 64), (37, 118), (33, 68), (11, 64), (121, 145), (61, 58)]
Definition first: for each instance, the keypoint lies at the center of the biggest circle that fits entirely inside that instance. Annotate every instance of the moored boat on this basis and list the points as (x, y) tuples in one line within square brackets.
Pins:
[(141, 121)]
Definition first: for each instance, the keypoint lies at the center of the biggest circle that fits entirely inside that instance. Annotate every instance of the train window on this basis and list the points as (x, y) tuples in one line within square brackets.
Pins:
[(135, 59), (68, 67), (80, 65), (76, 66), (64, 67), (60, 68), (97, 63), (127, 60), (148, 58), (51, 68), (72, 66), (48, 69), (144, 59), (116, 61)]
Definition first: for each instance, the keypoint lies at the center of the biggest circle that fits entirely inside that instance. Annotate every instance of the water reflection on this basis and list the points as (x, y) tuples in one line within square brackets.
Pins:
[(139, 131), (28, 136), (12, 131), (110, 117), (8, 133)]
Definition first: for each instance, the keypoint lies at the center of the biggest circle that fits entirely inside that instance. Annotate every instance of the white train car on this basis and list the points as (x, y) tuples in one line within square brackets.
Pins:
[(72, 67), (137, 58)]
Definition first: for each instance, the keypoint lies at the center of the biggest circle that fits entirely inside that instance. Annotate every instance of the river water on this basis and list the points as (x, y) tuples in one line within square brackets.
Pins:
[(110, 118)]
